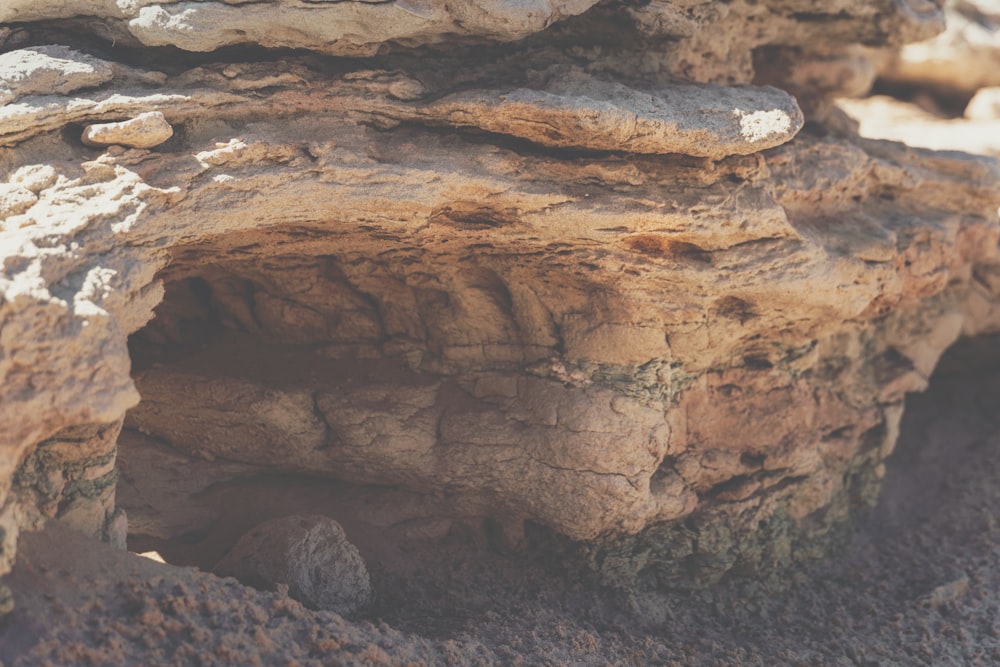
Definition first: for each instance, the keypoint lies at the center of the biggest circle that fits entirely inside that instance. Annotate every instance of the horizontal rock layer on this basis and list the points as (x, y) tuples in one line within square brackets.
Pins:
[(554, 282)]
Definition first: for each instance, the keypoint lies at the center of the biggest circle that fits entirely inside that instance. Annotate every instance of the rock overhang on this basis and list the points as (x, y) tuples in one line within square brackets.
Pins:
[(529, 255)]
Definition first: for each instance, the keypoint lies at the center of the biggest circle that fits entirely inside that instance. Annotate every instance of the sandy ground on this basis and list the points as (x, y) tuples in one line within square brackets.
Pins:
[(920, 585)]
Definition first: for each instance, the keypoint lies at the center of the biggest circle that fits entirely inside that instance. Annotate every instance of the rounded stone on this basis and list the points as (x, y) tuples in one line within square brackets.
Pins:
[(308, 553), (144, 131)]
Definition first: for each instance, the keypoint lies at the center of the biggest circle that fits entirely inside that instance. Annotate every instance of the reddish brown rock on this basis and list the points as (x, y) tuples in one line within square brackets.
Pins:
[(546, 280)]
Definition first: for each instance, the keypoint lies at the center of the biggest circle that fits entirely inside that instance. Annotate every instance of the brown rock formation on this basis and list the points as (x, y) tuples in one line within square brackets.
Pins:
[(561, 266)]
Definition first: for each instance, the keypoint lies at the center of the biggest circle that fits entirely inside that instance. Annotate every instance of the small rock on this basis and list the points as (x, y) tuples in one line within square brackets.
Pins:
[(307, 553), (577, 111), (35, 177), (144, 131)]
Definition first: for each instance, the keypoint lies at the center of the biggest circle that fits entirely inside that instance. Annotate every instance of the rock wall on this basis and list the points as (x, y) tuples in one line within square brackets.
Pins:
[(618, 270)]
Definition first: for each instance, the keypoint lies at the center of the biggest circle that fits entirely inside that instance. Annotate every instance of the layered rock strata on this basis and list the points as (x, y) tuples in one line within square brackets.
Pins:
[(578, 271)]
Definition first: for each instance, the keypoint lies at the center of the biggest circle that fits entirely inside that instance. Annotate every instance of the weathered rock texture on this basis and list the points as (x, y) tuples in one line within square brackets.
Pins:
[(571, 270), (310, 555)]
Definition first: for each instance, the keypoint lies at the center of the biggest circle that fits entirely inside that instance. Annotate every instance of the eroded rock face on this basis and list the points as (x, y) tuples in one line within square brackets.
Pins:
[(554, 281)]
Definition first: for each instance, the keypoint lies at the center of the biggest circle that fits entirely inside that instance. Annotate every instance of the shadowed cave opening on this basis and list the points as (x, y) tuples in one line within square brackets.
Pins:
[(290, 385), (280, 386)]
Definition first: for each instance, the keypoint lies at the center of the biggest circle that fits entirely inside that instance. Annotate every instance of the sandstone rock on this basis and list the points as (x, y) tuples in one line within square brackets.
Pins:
[(144, 131), (15, 199), (352, 29), (704, 121), (308, 554), (405, 428), (717, 42), (580, 280), (48, 70)]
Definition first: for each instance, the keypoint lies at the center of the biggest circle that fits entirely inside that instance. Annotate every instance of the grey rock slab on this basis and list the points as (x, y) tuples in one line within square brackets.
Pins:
[(342, 28), (699, 120)]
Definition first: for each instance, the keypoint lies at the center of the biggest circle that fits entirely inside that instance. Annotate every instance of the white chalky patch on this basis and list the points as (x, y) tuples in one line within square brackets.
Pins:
[(761, 125)]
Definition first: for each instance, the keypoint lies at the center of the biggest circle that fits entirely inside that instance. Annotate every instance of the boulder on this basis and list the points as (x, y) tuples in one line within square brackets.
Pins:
[(310, 555), (144, 131)]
